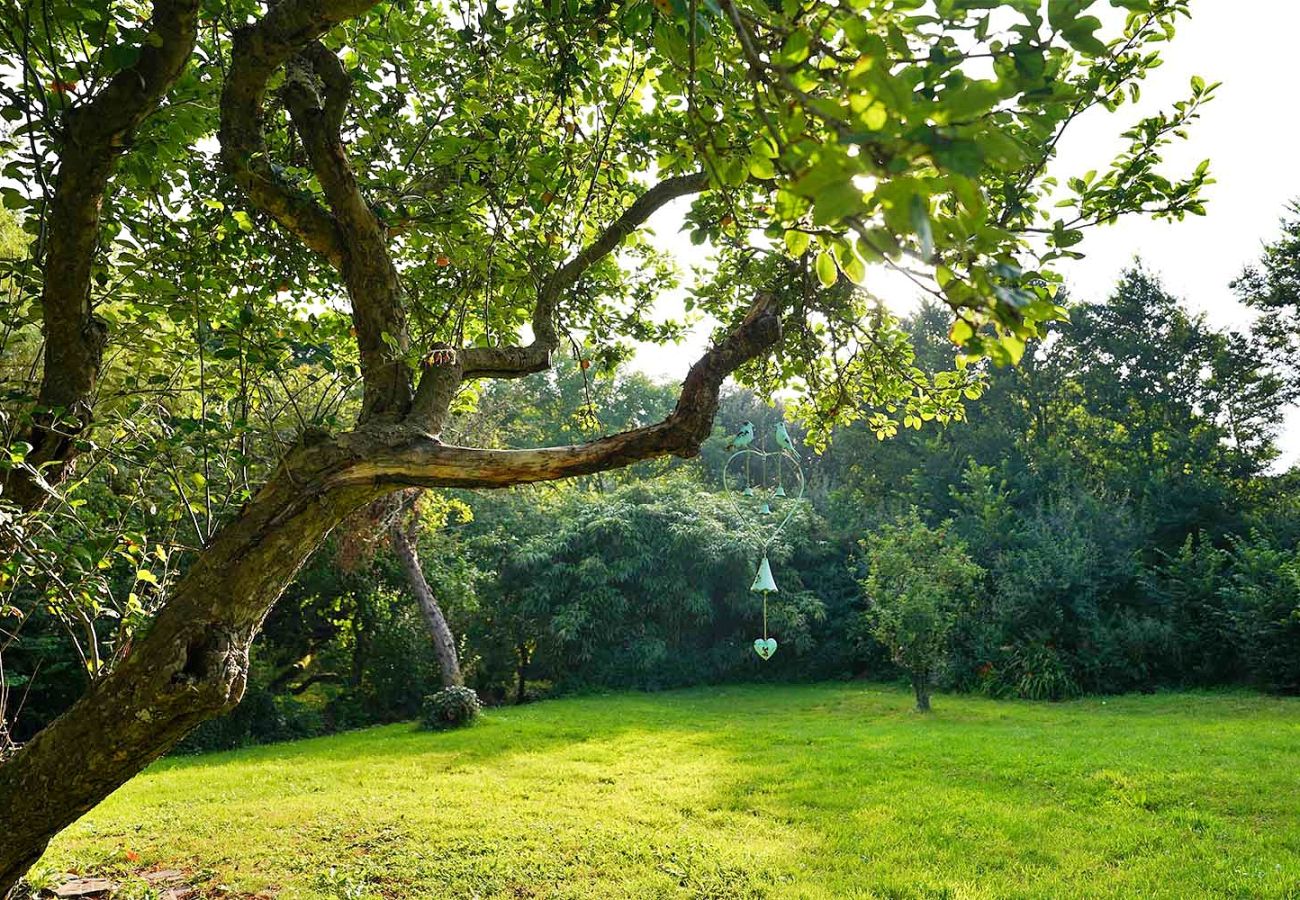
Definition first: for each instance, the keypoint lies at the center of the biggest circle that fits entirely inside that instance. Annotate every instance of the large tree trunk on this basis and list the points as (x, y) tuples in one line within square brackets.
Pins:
[(444, 643), (92, 139), (190, 666)]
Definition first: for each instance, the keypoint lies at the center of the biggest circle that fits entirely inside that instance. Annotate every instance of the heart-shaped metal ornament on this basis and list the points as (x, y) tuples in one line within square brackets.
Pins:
[(765, 647)]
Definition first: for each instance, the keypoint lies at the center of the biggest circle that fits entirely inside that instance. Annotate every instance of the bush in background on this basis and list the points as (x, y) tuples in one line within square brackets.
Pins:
[(451, 707)]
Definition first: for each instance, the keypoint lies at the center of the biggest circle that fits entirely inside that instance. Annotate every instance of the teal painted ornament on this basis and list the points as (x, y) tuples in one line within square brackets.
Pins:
[(783, 437), (755, 505), (742, 438), (764, 583), (754, 477)]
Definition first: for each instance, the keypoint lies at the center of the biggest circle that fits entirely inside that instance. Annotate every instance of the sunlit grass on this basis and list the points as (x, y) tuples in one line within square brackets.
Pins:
[(824, 791)]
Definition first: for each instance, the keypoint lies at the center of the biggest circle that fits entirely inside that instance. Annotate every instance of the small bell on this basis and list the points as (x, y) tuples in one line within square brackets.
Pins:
[(780, 491), (763, 581), (749, 491), (767, 508)]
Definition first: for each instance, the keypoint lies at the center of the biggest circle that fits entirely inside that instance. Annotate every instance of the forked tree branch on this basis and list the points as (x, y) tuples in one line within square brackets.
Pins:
[(347, 234), (515, 362), (258, 50), (316, 92), (424, 462)]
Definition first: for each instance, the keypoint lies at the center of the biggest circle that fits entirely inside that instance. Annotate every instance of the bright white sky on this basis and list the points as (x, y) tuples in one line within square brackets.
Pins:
[(1246, 131)]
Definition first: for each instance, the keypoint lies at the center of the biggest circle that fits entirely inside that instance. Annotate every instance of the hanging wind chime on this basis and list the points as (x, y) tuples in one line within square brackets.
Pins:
[(764, 516)]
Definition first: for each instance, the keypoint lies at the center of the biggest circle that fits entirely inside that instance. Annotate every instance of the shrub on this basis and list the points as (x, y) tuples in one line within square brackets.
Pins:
[(918, 580), (1187, 588), (1037, 672), (451, 707), (260, 718), (1262, 597)]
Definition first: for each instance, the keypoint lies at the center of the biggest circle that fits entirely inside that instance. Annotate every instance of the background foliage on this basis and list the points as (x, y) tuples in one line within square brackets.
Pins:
[(1115, 493)]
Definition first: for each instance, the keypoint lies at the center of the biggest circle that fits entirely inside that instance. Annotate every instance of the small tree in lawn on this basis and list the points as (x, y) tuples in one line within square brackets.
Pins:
[(918, 578)]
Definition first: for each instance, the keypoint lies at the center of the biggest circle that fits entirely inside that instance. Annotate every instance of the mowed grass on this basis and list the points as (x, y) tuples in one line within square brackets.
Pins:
[(825, 791)]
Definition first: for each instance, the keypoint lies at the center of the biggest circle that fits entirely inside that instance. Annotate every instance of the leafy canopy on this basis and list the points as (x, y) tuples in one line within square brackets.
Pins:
[(498, 143), (494, 140)]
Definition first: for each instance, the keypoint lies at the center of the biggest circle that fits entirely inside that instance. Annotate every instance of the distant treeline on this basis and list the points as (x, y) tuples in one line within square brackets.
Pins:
[(1117, 490)]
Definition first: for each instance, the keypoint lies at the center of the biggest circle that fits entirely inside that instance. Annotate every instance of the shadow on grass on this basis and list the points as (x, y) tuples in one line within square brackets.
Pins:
[(748, 791)]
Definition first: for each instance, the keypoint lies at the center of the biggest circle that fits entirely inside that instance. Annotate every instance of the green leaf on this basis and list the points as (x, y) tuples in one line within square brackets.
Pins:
[(120, 56), (836, 202), (761, 168), (795, 50), (827, 273), (1081, 35), (853, 267), (797, 242)]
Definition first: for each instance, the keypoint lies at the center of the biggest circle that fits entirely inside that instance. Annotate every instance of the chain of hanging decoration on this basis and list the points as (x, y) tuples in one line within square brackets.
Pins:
[(767, 508)]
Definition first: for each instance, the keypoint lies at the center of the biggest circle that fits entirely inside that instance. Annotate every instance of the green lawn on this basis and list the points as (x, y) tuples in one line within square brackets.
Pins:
[(818, 791)]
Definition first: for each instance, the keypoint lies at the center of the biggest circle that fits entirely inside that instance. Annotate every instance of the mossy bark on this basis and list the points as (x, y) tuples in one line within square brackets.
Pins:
[(190, 666), (92, 138)]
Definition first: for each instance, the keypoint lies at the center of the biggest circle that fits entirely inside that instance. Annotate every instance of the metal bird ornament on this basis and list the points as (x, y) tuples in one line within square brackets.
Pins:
[(783, 437), (742, 438)]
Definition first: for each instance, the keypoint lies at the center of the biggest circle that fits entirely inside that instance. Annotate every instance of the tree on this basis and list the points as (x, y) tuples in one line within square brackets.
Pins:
[(404, 537), (404, 524), (1160, 405), (1272, 287), (918, 578), (408, 200), (398, 521)]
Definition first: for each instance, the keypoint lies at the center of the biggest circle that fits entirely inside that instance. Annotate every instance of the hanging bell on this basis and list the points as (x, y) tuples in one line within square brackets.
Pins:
[(763, 581), (780, 491), (767, 509), (748, 492)]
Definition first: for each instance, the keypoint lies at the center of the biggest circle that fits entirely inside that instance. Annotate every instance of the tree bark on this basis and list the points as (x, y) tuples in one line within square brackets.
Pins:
[(921, 687), (403, 537), (190, 666), (521, 674), (92, 138)]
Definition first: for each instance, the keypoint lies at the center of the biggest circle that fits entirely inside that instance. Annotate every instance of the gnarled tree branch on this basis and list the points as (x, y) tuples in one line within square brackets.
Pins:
[(94, 135), (316, 93), (417, 460), (515, 362), (257, 52)]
